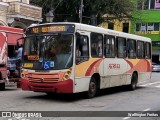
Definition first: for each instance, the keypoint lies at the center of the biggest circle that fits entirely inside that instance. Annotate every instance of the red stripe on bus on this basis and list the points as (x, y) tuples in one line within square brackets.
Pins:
[(89, 70)]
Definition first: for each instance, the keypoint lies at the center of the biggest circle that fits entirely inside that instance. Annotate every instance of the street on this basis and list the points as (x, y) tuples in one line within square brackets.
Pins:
[(145, 98)]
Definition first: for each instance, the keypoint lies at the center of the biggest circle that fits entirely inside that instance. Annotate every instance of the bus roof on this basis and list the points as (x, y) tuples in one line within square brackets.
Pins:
[(11, 29), (96, 29)]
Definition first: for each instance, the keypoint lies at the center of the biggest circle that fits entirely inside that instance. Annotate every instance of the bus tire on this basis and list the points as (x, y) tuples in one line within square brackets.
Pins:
[(2, 86), (134, 80), (92, 88)]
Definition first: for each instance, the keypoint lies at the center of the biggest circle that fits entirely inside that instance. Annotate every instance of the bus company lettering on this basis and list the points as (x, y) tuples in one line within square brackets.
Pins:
[(53, 28), (46, 29), (114, 66)]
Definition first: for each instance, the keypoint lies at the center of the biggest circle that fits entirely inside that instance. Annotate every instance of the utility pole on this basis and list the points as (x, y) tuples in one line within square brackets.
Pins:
[(80, 11)]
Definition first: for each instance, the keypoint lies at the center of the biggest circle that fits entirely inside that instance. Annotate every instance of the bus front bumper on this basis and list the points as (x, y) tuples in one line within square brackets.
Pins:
[(60, 87)]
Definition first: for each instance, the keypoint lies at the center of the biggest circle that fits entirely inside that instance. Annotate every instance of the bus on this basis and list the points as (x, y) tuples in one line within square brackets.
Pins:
[(68, 57), (8, 41)]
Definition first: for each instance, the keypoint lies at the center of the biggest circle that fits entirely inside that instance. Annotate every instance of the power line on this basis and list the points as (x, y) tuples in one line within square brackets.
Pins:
[(58, 4)]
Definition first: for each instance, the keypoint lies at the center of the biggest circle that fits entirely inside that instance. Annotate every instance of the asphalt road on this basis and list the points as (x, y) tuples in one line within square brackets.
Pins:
[(145, 98)]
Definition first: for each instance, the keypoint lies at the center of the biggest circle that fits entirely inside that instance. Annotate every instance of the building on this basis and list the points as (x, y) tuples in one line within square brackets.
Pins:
[(111, 22), (19, 13), (3, 13), (148, 24)]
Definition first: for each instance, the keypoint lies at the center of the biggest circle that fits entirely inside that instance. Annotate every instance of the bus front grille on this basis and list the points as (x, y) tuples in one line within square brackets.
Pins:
[(44, 78)]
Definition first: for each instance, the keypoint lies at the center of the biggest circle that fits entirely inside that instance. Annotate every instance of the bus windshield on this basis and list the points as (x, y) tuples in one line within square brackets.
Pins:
[(52, 52)]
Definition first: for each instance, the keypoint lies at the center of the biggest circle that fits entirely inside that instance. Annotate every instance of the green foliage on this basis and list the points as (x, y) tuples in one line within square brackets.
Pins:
[(69, 9)]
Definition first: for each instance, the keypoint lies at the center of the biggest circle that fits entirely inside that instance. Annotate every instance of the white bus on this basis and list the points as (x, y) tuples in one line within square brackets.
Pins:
[(72, 57)]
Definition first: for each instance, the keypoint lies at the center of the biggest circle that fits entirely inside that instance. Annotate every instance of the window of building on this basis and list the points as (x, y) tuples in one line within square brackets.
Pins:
[(138, 27), (148, 4), (140, 49), (109, 46), (126, 27), (111, 26), (121, 46), (156, 27), (145, 4), (157, 4), (148, 27), (143, 27), (131, 47), (147, 50), (96, 45), (152, 4)]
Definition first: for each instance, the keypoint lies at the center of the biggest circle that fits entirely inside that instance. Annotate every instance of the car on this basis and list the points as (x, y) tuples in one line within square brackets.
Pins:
[(155, 67), (13, 72)]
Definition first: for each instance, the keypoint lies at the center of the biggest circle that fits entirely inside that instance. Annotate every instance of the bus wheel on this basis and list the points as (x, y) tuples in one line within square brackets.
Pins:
[(2, 86), (134, 80), (92, 88)]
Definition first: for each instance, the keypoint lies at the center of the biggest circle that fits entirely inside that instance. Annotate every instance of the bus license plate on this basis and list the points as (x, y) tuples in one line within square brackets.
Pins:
[(28, 65)]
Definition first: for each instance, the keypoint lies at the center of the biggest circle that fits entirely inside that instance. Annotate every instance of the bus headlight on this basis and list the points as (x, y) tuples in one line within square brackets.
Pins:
[(67, 74)]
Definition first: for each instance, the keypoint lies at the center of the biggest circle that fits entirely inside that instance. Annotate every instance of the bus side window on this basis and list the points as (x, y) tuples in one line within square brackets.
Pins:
[(140, 49), (82, 46), (121, 45), (131, 45), (82, 49), (147, 50), (96, 45), (109, 46)]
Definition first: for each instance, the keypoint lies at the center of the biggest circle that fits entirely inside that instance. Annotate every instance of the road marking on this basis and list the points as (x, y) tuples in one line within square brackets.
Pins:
[(142, 82), (125, 118), (148, 84), (158, 86), (147, 109)]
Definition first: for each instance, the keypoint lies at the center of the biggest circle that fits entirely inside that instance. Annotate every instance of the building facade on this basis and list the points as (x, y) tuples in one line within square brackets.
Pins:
[(110, 22), (19, 13), (148, 22), (3, 13)]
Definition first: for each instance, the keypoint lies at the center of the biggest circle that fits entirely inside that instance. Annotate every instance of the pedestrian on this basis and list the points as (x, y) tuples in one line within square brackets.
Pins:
[(19, 58)]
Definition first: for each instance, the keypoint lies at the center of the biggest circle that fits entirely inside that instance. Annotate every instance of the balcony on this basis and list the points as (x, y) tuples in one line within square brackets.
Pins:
[(3, 7), (24, 11), (3, 12)]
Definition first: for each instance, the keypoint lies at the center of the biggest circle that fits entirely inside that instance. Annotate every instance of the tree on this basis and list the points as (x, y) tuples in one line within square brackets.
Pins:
[(92, 10)]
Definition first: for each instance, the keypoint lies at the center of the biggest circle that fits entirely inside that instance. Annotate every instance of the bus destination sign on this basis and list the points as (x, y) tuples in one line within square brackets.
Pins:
[(50, 28)]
